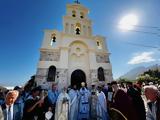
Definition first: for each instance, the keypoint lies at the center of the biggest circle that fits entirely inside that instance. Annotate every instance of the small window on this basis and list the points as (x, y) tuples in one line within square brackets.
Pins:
[(78, 29), (101, 76), (81, 15), (53, 38), (99, 45), (73, 13), (51, 74)]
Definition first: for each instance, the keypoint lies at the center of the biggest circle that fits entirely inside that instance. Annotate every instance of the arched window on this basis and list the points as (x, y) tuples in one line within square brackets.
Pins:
[(81, 15), (51, 74), (78, 28), (99, 44), (73, 13), (53, 39), (101, 74)]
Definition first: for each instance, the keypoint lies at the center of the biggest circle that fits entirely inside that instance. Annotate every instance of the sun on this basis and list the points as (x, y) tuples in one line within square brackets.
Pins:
[(128, 22)]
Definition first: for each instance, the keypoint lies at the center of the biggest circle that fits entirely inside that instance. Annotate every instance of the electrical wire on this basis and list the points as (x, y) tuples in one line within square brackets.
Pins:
[(157, 29), (141, 45), (156, 32)]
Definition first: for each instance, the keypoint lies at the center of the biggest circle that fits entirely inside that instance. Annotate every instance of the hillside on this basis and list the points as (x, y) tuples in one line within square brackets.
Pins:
[(132, 74)]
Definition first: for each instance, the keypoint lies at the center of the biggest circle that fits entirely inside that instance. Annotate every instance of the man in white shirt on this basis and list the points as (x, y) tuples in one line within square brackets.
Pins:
[(7, 107)]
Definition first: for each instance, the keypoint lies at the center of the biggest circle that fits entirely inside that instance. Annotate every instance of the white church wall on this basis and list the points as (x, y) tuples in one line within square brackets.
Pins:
[(47, 64), (68, 40), (64, 58), (92, 59), (104, 65)]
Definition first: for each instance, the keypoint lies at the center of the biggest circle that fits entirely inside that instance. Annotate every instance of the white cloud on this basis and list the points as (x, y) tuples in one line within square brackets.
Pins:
[(143, 57)]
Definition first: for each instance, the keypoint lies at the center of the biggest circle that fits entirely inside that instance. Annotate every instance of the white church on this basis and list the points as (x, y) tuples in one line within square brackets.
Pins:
[(74, 55)]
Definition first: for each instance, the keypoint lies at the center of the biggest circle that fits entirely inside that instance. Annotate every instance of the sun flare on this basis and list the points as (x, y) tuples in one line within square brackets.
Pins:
[(128, 22)]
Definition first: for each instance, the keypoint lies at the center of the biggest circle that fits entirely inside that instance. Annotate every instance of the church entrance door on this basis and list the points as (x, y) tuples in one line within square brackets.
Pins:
[(77, 77)]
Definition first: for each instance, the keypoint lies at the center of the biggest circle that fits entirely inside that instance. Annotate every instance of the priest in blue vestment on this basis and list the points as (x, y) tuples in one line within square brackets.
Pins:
[(84, 103)]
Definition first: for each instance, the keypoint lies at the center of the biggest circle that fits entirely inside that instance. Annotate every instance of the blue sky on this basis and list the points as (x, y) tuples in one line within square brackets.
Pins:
[(21, 32)]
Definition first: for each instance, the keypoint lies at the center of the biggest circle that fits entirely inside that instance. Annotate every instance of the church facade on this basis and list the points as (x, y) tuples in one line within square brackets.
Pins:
[(74, 55)]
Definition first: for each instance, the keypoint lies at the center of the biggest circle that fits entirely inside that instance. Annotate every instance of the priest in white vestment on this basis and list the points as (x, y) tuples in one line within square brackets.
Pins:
[(102, 113), (74, 97), (62, 106)]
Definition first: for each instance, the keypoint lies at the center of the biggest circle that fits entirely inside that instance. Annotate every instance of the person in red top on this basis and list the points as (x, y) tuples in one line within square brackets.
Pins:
[(122, 102)]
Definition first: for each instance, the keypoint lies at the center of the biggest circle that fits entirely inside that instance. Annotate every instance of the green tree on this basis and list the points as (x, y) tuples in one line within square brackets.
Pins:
[(150, 75)]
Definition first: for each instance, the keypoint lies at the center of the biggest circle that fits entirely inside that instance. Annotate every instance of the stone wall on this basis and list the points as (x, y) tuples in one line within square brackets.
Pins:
[(102, 58), (108, 75), (49, 56), (94, 76), (61, 78), (41, 76)]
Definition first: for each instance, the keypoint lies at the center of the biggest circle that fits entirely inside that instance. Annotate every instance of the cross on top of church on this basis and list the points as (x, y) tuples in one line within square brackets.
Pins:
[(77, 1)]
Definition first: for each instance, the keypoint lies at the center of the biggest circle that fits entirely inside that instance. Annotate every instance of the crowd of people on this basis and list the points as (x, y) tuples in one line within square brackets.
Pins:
[(99, 102)]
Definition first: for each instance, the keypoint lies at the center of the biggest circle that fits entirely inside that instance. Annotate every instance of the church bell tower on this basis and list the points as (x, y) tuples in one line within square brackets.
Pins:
[(74, 55)]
